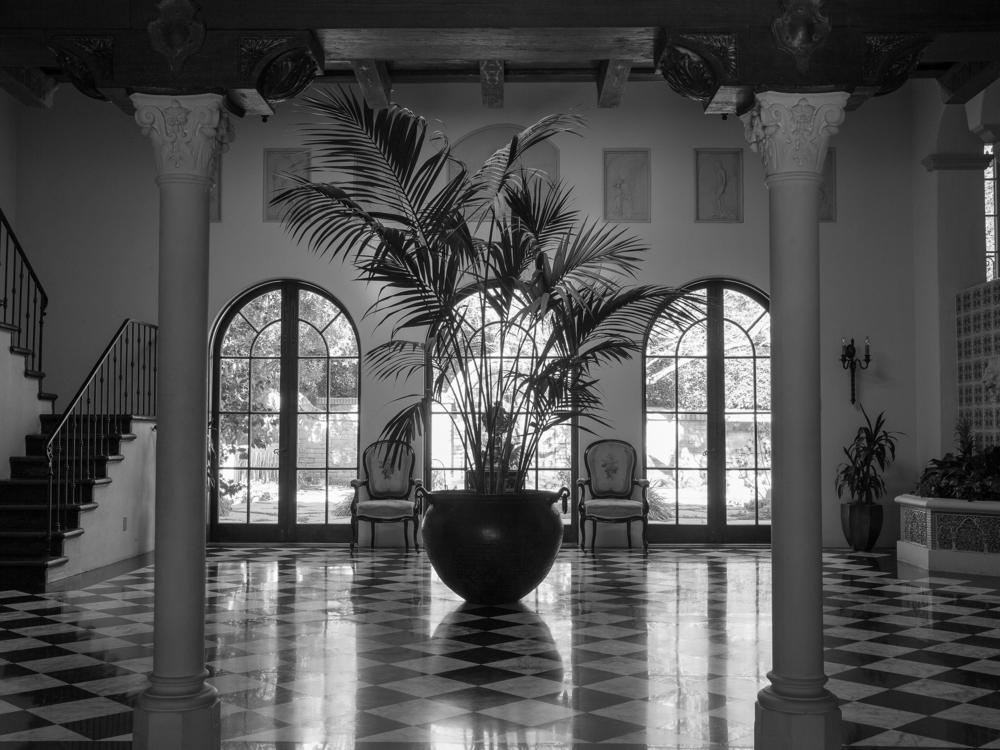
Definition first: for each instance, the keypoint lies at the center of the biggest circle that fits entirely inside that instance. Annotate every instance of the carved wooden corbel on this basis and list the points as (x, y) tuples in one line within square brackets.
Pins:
[(800, 30), (176, 33), (88, 60)]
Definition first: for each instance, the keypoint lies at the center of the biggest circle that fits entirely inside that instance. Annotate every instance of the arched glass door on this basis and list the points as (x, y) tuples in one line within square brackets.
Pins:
[(284, 428), (708, 421)]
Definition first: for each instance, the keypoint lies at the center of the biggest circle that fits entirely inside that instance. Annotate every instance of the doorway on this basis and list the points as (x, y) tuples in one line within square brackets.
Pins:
[(708, 421), (284, 422)]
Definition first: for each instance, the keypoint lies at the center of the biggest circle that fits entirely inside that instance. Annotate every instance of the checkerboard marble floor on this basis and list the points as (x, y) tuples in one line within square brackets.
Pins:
[(311, 647)]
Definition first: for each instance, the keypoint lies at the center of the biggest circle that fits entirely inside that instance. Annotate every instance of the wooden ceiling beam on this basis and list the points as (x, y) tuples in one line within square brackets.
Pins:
[(373, 80), (552, 44), (964, 80), (706, 15), (491, 83), (612, 75)]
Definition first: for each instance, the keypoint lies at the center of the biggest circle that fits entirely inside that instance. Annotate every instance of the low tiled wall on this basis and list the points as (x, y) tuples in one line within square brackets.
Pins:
[(949, 535)]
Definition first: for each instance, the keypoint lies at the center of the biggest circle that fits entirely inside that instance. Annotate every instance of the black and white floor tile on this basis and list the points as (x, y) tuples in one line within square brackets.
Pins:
[(311, 647)]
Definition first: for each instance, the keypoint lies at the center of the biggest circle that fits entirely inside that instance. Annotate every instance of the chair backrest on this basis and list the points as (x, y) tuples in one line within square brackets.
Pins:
[(389, 469), (610, 467)]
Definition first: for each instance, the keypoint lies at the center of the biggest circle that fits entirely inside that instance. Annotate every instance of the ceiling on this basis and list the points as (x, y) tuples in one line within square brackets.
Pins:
[(718, 52)]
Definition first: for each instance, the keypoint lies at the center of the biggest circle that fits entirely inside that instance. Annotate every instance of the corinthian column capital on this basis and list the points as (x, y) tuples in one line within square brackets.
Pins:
[(791, 132), (188, 132)]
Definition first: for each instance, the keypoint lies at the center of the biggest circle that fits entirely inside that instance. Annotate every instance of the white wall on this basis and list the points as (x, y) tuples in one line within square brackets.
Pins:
[(122, 525), (88, 214), (19, 404), (88, 223), (8, 157)]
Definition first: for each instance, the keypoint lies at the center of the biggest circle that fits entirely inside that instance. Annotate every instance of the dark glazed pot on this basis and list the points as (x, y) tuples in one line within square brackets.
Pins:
[(492, 549), (861, 523)]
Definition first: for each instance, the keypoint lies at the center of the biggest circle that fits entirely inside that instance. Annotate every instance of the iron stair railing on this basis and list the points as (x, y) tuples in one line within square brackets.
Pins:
[(22, 299), (121, 385)]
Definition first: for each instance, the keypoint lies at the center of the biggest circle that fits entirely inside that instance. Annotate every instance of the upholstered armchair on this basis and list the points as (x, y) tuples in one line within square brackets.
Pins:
[(610, 483), (387, 494)]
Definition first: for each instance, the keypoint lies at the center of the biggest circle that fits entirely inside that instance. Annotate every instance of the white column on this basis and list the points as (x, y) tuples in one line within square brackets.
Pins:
[(790, 132), (179, 710)]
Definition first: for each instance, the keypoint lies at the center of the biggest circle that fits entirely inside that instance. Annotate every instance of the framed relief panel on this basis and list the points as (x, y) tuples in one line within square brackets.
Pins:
[(280, 164), (718, 178), (627, 185), (828, 188)]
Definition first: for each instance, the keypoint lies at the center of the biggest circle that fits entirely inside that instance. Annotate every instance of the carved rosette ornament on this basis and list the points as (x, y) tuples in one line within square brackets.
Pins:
[(281, 66), (695, 65), (189, 133), (791, 132)]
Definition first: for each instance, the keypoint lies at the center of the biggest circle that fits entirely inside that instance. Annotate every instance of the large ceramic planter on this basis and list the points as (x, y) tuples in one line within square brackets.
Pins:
[(492, 549), (948, 535), (861, 524)]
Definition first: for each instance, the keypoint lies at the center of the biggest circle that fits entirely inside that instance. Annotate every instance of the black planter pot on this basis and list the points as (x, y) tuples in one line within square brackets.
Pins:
[(492, 549), (862, 523)]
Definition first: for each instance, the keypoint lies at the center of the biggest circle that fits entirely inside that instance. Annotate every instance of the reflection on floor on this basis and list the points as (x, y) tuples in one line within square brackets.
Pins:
[(310, 647)]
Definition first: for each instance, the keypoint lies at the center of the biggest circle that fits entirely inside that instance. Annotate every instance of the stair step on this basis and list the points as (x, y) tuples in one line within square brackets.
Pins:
[(116, 423), (36, 491), (35, 562), (27, 544), (37, 374), (109, 445), (29, 574), (20, 350), (37, 467), (46, 396), (35, 517)]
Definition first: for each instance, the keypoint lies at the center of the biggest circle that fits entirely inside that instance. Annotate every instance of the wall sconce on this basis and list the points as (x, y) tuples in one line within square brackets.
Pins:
[(849, 362)]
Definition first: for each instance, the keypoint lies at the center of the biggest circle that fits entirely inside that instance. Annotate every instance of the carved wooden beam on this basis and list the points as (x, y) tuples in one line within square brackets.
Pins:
[(612, 75), (28, 85), (963, 81), (491, 82), (373, 79)]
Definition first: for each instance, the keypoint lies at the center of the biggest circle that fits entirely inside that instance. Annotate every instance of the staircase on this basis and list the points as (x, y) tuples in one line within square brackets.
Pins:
[(35, 538), (65, 467)]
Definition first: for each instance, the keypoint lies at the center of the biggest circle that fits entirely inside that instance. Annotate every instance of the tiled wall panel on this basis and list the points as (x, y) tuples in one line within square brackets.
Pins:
[(978, 329)]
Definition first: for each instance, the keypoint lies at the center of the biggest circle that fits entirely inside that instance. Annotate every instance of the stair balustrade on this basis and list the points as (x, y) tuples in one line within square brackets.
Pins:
[(22, 299), (121, 385)]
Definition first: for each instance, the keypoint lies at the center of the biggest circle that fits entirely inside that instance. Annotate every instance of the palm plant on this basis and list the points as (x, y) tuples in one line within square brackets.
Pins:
[(868, 455), (502, 302)]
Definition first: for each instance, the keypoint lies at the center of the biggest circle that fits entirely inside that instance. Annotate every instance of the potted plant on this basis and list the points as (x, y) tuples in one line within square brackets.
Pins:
[(949, 523), (501, 301), (969, 474), (868, 455)]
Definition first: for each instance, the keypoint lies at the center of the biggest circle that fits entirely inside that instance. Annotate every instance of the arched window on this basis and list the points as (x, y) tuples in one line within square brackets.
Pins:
[(708, 420), (284, 434)]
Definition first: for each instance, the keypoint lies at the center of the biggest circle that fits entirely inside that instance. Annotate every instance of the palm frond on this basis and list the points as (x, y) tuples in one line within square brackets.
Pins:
[(491, 286)]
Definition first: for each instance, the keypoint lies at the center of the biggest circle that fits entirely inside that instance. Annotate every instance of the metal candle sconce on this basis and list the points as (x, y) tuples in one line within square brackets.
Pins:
[(848, 360)]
